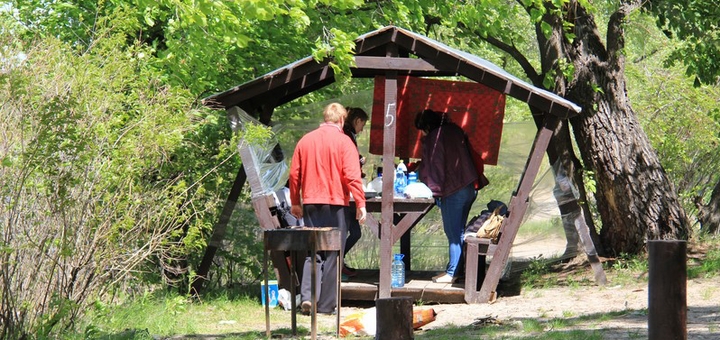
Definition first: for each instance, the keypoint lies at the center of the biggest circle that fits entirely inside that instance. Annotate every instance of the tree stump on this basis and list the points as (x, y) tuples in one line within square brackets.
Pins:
[(667, 290), (394, 318)]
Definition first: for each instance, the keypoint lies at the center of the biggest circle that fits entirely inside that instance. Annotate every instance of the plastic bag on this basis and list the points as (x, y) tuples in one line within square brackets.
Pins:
[(362, 323), (423, 316), (491, 227), (284, 299), (418, 190)]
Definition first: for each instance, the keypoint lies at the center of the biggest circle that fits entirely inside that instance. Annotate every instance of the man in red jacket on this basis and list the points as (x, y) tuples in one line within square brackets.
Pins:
[(324, 171)]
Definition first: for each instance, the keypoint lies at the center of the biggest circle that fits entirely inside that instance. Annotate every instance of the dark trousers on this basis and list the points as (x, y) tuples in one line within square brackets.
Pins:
[(354, 231), (323, 215)]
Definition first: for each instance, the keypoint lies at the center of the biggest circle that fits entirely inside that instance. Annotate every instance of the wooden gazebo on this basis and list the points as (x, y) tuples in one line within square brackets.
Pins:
[(392, 52)]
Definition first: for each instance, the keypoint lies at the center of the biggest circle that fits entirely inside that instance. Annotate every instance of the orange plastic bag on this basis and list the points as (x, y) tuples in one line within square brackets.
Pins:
[(360, 323), (423, 316)]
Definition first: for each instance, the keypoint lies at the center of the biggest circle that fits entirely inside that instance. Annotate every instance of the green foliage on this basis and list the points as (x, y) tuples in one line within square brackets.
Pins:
[(629, 268), (206, 45), (694, 23), (96, 181), (533, 275), (680, 120)]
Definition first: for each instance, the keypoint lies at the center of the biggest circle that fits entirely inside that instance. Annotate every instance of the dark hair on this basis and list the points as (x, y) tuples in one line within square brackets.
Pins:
[(429, 120), (355, 113)]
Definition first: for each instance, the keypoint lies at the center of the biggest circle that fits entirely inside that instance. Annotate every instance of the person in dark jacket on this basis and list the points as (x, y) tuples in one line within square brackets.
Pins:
[(354, 124), (448, 170)]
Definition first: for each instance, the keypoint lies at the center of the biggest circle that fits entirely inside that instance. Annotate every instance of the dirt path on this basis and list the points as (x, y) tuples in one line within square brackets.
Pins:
[(585, 308), (577, 303)]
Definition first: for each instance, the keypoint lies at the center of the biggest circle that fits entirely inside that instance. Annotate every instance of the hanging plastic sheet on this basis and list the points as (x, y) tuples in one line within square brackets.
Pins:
[(268, 161)]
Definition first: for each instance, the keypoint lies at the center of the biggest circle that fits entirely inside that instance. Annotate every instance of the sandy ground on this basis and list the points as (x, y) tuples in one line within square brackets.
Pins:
[(588, 303), (584, 307)]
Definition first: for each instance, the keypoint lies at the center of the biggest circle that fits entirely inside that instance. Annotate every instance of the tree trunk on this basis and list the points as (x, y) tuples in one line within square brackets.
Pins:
[(569, 193), (709, 214), (635, 198)]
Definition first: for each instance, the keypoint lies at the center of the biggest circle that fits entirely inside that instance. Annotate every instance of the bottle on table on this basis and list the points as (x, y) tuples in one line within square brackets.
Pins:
[(376, 184), (398, 271), (400, 179), (412, 177)]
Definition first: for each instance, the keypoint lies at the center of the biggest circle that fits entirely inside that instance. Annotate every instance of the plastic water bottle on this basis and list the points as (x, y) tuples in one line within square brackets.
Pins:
[(402, 167), (398, 271), (412, 177), (400, 181), (376, 184)]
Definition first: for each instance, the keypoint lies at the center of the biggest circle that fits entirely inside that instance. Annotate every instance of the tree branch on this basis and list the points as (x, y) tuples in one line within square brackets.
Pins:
[(520, 58), (529, 70), (615, 32)]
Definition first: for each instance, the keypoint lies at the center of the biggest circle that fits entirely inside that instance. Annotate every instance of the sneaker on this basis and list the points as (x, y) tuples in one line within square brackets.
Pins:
[(444, 279), (305, 306), (439, 275), (333, 312), (349, 271)]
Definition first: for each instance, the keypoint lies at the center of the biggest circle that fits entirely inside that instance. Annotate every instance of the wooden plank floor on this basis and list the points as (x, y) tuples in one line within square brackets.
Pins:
[(418, 285)]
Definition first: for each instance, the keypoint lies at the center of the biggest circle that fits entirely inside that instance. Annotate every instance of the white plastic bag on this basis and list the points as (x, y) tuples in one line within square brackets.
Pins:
[(284, 299), (418, 190)]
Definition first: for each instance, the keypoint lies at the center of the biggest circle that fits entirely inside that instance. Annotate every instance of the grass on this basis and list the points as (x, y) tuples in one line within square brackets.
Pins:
[(708, 267), (238, 314), (170, 314)]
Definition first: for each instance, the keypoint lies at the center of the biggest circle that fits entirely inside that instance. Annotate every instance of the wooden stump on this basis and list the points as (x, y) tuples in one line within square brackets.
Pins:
[(394, 318), (667, 297)]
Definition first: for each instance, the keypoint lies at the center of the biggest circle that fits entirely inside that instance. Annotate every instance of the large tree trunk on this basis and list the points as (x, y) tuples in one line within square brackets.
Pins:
[(709, 214), (635, 198), (569, 188)]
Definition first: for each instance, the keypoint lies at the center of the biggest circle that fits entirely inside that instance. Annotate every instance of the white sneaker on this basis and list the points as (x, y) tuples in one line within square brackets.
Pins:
[(444, 279), (439, 275)]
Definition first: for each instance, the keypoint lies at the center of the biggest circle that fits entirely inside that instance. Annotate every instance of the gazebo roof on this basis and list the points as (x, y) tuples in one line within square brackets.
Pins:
[(431, 58)]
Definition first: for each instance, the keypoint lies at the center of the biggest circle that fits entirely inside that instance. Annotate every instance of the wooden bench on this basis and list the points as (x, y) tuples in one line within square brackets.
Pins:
[(476, 250)]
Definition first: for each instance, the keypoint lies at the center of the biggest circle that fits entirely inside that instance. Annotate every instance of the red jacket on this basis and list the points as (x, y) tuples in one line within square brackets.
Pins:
[(324, 169)]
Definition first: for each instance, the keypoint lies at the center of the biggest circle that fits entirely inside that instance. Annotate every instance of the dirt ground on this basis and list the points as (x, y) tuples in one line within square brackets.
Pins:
[(584, 307), (588, 303)]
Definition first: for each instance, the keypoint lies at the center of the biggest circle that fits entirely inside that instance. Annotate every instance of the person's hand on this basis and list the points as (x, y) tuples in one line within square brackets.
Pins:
[(362, 160), (361, 215), (296, 210)]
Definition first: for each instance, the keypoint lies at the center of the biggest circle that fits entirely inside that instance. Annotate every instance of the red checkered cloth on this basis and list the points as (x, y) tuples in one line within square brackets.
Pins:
[(476, 108)]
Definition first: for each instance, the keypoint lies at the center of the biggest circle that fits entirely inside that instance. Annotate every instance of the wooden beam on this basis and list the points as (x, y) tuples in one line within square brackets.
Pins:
[(299, 75), (375, 42), (386, 235), (218, 232), (518, 207), (397, 64)]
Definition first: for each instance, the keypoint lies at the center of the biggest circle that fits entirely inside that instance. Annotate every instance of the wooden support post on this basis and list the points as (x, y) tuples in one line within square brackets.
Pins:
[(667, 295), (386, 229), (394, 318), (218, 232), (518, 206)]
